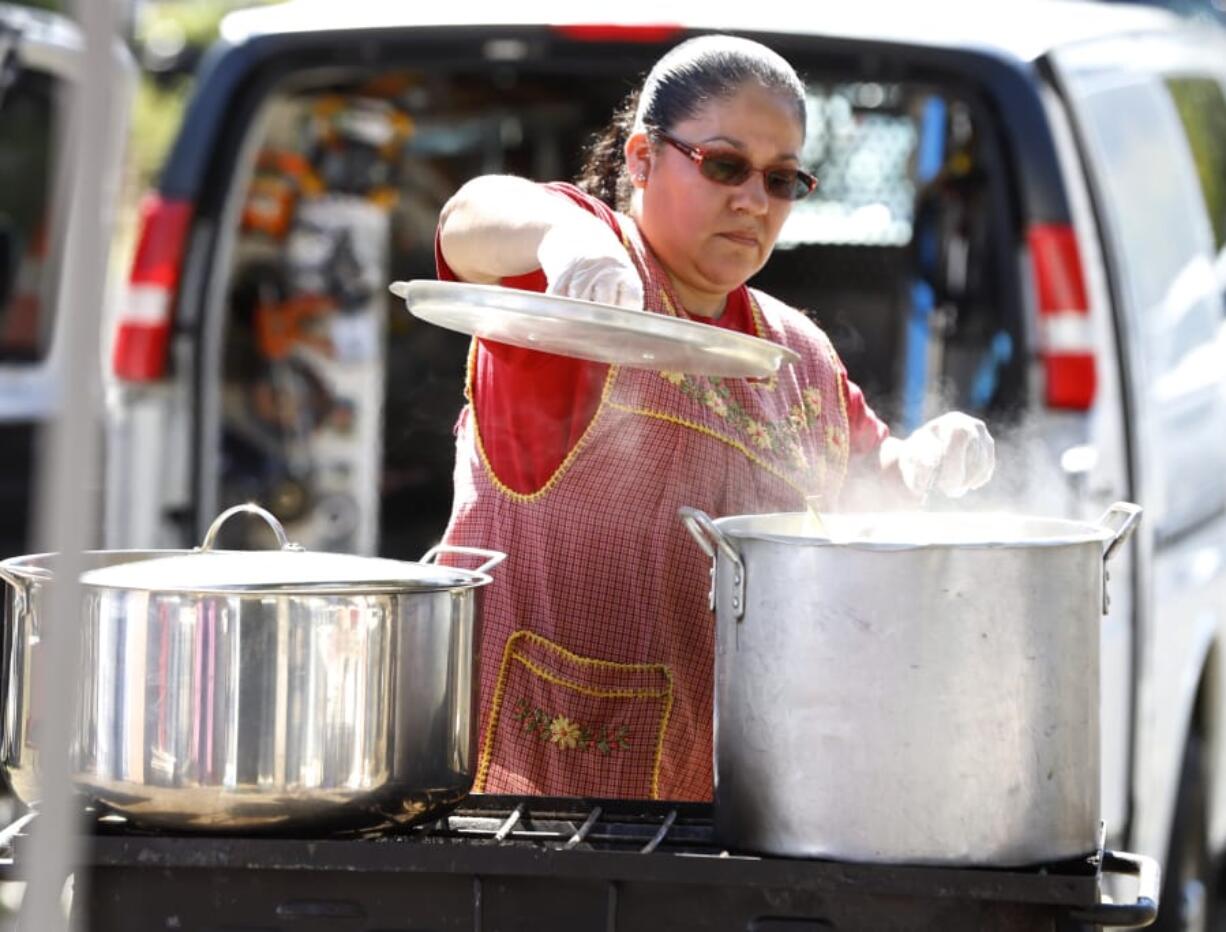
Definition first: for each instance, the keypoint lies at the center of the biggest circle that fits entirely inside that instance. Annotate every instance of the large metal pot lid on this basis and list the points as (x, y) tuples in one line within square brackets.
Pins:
[(589, 330), (290, 569)]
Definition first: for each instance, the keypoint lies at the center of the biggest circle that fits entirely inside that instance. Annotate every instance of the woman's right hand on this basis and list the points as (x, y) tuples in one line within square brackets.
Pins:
[(499, 226), (586, 260)]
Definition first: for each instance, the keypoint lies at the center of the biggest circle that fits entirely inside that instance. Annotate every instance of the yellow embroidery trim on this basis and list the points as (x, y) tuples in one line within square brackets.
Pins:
[(759, 325), (487, 742), (626, 693), (703, 429), (523, 498), (844, 448), (509, 654), (771, 383), (469, 365), (526, 497), (526, 635), (668, 711), (669, 307)]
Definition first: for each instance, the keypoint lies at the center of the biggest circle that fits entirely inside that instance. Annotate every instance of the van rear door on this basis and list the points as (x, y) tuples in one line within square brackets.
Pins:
[(1139, 103), (270, 180)]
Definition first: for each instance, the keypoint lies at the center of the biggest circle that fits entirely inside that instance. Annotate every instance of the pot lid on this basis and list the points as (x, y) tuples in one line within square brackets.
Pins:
[(280, 571), (288, 570), (589, 330)]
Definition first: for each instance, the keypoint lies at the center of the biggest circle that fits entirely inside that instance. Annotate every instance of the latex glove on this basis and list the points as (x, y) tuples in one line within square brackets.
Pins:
[(953, 453), (588, 261)]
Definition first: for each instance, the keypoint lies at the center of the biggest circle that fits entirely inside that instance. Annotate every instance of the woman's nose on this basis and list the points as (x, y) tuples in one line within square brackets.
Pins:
[(750, 195)]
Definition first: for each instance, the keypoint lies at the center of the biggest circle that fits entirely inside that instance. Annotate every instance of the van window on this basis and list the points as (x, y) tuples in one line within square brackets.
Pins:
[(27, 109), (1202, 109), (861, 139), (1156, 209)]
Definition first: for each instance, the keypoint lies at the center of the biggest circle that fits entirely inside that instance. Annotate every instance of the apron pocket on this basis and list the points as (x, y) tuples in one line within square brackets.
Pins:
[(565, 725)]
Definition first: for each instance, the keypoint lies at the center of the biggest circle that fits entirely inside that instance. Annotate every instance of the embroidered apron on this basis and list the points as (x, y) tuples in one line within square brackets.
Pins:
[(597, 642)]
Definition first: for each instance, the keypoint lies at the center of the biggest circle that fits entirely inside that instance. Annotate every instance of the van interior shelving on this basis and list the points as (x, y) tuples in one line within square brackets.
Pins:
[(901, 255)]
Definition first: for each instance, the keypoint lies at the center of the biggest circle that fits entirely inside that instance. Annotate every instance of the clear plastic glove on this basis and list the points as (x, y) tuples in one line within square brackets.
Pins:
[(588, 261), (953, 453)]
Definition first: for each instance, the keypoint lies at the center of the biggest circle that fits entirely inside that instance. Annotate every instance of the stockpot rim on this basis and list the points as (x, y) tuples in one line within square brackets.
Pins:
[(741, 528), (289, 571)]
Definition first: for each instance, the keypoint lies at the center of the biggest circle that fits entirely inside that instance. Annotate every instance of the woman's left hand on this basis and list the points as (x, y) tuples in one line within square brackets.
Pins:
[(953, 453)]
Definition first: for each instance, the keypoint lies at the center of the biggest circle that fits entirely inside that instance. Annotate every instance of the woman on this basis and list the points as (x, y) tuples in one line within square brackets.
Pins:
[(597, 647)]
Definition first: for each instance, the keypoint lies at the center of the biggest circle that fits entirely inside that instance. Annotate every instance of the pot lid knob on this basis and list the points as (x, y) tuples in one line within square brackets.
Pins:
[(250, 508)]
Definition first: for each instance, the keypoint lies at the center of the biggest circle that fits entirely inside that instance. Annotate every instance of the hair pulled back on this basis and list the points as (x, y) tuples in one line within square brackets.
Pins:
[(683, 81)]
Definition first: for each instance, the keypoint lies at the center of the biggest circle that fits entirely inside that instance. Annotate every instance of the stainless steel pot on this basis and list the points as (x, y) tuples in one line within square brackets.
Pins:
[(909, 688), (256, 690)]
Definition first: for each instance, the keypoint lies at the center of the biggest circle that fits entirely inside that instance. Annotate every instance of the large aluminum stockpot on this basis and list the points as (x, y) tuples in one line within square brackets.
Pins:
[(256, 690), (911, 687)]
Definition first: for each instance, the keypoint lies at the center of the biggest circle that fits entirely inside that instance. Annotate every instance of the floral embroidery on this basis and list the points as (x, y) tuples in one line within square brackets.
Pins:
[(835, 437), (568, 734), (564, 733), (713, 401), (757, 433), (813, 402), (783, 437)]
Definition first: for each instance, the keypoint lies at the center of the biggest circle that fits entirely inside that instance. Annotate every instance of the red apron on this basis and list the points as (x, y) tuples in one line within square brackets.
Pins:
[(597, 643)]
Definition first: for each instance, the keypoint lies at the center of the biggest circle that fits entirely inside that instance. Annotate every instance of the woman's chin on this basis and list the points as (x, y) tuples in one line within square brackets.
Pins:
[(731, 275)]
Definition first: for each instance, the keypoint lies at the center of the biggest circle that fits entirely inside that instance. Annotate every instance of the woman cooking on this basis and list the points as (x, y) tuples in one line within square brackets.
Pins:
[(597, 647)]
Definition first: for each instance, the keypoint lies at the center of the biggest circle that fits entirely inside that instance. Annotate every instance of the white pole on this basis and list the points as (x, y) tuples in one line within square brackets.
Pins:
[(68, 501)]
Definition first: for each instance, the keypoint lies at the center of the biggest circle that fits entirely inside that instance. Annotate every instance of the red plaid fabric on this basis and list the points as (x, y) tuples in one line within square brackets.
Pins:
[(597, 642)]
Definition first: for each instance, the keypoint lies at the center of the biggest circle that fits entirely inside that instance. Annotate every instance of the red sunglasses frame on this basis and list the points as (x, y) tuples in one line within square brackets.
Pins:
[(698, 154)]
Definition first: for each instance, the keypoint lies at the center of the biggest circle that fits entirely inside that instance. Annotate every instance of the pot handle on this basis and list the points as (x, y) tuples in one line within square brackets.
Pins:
[(23, 584), (250, 508), (1121, 519), (709, 537), (1142, 911), (492, 557)]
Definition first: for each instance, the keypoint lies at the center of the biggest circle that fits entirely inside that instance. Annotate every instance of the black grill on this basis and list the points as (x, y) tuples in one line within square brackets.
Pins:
[(516, 864)]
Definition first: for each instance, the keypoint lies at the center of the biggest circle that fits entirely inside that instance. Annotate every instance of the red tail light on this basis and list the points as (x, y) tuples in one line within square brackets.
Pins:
[(1066, 338), (142, 339), (610, 32)]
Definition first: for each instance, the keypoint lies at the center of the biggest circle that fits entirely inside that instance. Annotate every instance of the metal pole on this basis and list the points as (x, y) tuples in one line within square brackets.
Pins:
[(68, 502)]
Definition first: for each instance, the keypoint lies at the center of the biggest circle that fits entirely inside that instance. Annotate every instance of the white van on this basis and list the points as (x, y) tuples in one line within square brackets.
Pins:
[(1022, 214), (41, 56)]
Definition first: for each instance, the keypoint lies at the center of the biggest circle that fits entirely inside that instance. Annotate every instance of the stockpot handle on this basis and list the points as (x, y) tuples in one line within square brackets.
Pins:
[(23, 583), (492, 557), (1121, 519), (709, 537), (250, 508), (1142, 911)]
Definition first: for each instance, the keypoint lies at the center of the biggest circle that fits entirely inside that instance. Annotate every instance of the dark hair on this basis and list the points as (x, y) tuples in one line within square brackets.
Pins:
[(685, 80)]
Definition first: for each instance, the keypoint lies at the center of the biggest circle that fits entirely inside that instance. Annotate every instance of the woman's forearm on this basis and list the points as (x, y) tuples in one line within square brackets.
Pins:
[(492, 227)]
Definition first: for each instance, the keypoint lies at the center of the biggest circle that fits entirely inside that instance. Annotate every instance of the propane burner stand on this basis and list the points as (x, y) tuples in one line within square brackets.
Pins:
[(511, 864)]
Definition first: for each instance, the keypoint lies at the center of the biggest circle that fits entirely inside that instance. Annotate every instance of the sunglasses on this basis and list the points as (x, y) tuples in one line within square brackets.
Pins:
[(729, 167)]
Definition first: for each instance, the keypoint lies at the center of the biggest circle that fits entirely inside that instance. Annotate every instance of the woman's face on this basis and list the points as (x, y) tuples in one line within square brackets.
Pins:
[(713, 237)]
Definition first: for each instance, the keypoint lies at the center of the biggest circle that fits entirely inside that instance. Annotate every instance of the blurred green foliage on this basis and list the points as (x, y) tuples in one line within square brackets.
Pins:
[(1202, 107), (170, 36), (157, 112), (57, 6)]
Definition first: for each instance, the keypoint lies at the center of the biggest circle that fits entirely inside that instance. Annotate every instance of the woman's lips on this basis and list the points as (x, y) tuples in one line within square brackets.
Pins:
[(743, 239)]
